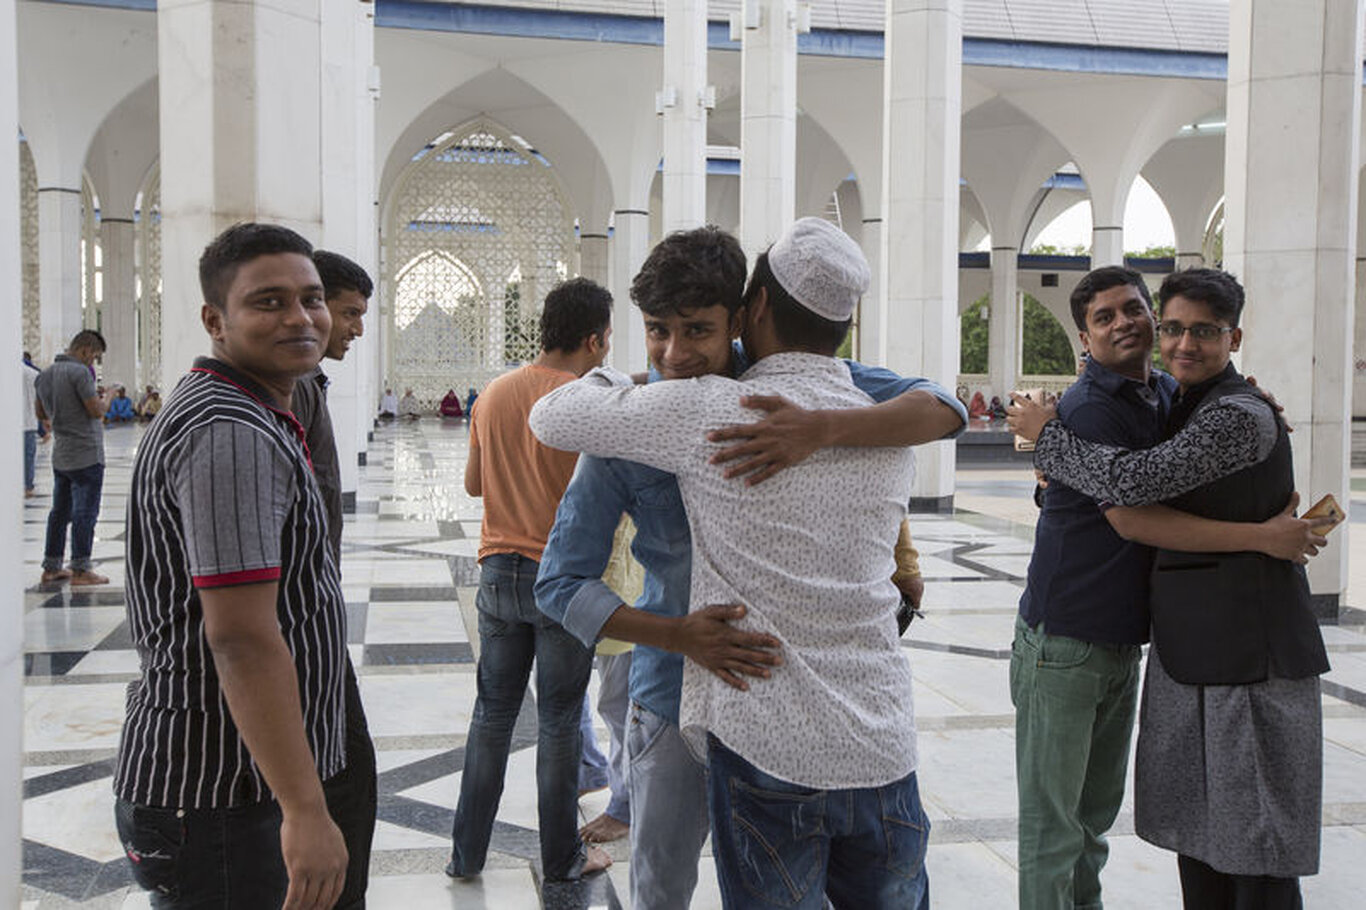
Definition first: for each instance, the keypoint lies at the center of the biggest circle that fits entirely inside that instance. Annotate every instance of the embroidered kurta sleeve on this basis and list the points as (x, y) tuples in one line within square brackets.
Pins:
[(605, 414), (1236, 432)]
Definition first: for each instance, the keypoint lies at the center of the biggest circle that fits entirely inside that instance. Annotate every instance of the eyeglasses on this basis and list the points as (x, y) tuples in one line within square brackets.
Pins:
[(1201, 331)]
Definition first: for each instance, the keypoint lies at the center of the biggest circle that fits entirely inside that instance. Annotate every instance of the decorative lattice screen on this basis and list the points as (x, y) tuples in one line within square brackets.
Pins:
[(28, 234), (90, 256), (148, 280), (478, 231)]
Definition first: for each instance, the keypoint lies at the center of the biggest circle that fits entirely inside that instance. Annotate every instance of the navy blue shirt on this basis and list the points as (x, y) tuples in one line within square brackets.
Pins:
[(1085, 581)]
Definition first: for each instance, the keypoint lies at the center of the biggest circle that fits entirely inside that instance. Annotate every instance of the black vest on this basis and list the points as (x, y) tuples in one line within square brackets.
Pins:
[(1234, 618)]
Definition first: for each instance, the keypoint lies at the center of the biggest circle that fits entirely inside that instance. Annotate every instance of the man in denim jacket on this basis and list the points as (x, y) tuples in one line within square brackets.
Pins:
[(690, 293)]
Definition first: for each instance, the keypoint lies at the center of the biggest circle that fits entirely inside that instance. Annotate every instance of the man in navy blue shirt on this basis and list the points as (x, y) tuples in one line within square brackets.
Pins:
[(689, 291), (1074, 664)]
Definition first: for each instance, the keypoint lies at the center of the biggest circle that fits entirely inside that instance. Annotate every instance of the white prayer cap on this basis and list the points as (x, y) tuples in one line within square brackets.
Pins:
[(821, 267)]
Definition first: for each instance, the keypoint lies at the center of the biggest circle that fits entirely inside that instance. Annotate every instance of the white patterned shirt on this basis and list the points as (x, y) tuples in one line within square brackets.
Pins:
[(808, 551)]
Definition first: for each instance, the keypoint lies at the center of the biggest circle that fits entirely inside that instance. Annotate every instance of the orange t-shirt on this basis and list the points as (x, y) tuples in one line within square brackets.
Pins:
[(522, 480)]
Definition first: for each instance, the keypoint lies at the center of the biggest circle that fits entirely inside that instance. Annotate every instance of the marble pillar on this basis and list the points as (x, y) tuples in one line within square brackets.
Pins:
[(348, 89), (683, 102), (871, 348), (1107, 242), (1190, 261), (768, 120), (1003, 333), (234, 146), (59, 268), (629, 247), (593, 257), (920, 175), (1291, 178), (118, 308), (11, 499)]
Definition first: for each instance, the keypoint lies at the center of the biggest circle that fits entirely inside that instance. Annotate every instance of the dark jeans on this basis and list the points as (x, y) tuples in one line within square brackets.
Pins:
[(777, 844), (75, 501), (513, 633), (353, 797), (214, 859), (1204, 888), (30, 457)]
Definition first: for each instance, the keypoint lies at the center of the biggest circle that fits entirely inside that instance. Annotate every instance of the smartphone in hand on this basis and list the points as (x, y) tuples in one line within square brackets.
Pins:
[(1327, 507)]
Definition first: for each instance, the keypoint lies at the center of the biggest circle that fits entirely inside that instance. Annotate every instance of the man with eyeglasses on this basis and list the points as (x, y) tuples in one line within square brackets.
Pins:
[(1074, 666)]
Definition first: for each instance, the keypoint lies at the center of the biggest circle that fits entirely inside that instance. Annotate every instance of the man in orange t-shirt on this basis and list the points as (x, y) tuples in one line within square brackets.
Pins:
[(521, 481)]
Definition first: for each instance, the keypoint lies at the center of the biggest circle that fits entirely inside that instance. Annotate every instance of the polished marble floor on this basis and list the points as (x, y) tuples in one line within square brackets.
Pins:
[(408, 573)]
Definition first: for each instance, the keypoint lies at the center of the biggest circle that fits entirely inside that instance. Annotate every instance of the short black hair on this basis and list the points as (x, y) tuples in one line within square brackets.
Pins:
[(691, 270), (87, 339), (574, 310), (795, 325), (1215, 288), (241, 243), (340, 274), (1102, 279)]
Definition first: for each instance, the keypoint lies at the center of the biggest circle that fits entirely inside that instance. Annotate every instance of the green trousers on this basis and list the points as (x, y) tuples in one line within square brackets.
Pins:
[(1074, 716)]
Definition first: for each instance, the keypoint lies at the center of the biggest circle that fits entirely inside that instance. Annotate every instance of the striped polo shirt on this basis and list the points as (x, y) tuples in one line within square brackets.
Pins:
[(222, 494)]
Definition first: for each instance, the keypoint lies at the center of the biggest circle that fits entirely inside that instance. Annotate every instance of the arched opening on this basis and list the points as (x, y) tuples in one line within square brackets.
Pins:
[(478, 230)]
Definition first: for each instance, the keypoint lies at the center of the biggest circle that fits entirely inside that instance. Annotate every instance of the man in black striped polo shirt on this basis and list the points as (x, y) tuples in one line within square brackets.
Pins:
[(235, 604)]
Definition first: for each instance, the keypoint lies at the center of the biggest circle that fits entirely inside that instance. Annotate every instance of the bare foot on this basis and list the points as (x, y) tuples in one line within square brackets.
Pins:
[(87, 577), (52, 575), (595, 859), (604, 829)]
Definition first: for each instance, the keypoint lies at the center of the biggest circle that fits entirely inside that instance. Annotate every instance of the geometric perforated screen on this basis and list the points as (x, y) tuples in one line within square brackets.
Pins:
[(477, 232)]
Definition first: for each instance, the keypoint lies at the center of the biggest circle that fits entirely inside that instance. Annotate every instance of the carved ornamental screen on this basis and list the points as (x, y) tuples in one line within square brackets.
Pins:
[(478, 231), (147, 280), (28, 239)]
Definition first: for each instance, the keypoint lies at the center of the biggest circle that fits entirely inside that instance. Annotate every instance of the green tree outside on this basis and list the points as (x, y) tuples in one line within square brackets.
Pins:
[(1046, 350)]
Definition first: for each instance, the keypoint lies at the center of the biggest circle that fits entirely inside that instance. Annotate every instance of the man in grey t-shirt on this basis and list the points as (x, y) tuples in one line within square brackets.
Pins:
[(67, 397)]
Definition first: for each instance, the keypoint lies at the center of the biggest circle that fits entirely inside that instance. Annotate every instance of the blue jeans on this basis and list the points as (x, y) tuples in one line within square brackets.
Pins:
[(196, 859), (75, 502), (513, 633), (778, 844), (30, 457), (668, 789)]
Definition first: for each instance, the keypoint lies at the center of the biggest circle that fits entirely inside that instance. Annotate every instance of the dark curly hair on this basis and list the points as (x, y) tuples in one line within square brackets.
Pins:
[(1215, 288), (1102, 279), (341, 274), (690, 270), (574, 310)]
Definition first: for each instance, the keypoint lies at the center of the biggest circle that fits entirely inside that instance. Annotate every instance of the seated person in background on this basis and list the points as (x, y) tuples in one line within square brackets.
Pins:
[(151, 405), (388, 405), (120, 406), (977, 408), (997, 410), (408, 406), (450, 405), (469, 400)]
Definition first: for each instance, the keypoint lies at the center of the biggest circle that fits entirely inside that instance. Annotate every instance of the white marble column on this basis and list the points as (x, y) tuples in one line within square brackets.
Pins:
[(1190, 261), (234, 146), (629, 247), (1107, 241), (768, 120), (593, 257), (11, 502), (871, 349), (683, 102), (1003, 333), (920, 171), (59, 267), (1292, 158), (348, 89), (118, 308)]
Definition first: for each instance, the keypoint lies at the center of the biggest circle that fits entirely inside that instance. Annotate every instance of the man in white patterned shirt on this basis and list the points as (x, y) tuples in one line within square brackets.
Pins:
[(809, 555)]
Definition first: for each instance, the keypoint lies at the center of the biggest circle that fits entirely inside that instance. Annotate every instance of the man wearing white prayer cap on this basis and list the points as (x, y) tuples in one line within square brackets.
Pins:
[(811, 746)]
